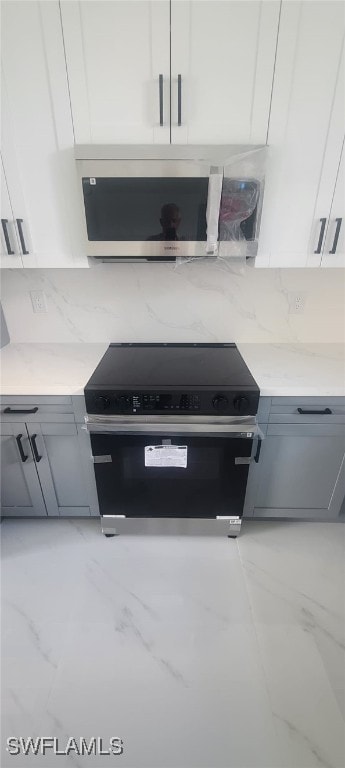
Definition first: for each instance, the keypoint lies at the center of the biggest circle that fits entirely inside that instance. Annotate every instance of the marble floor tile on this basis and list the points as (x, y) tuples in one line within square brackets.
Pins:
[(298, 580), (303, 703), (197, 651)]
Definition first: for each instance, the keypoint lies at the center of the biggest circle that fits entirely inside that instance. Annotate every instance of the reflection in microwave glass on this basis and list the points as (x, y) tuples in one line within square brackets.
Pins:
[(170, 220)]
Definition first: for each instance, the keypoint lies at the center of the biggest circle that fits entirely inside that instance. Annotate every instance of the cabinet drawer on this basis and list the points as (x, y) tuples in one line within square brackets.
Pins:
[(308, 411), (312, 430), (36, 400), (25, 412)]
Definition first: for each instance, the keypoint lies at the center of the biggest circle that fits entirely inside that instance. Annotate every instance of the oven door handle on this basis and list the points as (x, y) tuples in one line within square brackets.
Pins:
[(258, 450), (244, 431)]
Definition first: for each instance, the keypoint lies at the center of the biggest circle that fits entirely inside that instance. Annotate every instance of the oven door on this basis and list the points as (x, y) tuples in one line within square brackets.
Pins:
[(186, 475)]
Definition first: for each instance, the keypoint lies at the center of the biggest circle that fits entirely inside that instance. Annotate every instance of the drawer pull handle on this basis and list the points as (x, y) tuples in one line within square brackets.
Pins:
[(19, 410), (37, 457), (20, 447), (325, 412)]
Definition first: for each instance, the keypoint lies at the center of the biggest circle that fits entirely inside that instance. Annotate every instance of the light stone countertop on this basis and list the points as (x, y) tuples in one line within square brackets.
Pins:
[(279, 369)]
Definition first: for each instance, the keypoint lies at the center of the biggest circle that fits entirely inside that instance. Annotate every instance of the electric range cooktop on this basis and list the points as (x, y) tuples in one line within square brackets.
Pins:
[(198, 379)]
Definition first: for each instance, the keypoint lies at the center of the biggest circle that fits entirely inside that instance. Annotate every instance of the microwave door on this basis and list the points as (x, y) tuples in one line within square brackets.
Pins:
[(147, 210)]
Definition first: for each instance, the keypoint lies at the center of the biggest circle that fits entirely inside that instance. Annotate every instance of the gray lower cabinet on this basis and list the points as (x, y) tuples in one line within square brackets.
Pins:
[(301, 472), (61, 468), (21, 493), (55, 479)]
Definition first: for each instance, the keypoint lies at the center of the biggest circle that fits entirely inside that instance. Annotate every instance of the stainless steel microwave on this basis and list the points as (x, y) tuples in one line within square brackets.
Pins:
[(154, 203)]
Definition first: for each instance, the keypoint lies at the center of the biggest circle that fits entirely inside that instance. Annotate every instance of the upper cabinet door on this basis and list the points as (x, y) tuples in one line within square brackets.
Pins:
[(37, 134), (331, 195), (118, 63), (305, 134), (334, 250), (222, 63)]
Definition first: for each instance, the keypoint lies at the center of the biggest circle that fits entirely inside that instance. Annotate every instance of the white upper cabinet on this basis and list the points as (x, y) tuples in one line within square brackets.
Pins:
[(37, 136), (179, 71), (213, 60), (222, 63), (306, 133), (118, 63)]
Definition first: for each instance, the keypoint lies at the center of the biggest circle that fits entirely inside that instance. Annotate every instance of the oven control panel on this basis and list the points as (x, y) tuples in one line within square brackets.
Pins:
[(140, 402), (168, 402), (202, 402), (153, 401)]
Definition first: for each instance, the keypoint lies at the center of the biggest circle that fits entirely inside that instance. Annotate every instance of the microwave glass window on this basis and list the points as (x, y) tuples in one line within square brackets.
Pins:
[(138, 209)]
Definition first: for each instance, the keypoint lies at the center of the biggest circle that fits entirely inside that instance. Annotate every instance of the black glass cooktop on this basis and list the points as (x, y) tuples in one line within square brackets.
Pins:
[(131, 366)]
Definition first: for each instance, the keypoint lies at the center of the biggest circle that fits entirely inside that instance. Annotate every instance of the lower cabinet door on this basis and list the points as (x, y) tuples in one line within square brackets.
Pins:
[(21, 493), (61, 468), (301, 475)]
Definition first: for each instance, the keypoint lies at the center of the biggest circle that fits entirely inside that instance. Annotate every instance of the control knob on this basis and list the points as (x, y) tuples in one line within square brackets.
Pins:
[(220, 402), (241, 404), (102, 402)]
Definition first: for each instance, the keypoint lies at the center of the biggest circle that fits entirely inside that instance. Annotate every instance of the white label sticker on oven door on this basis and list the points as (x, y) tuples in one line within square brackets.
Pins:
[(166, 456)]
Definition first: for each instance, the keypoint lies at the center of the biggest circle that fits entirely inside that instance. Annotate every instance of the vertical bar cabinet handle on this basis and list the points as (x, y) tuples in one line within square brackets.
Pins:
[(21, 235), (37, 457), (321, 236), (4, 223), (20, 447), (179, 100), (161, 115), (336, 235)]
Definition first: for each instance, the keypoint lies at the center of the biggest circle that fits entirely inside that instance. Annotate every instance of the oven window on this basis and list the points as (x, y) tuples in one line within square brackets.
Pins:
[(211, 484), (138, 209)]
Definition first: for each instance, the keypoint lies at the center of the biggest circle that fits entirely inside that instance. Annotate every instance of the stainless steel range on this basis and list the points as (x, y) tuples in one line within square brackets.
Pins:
[(173, 431)]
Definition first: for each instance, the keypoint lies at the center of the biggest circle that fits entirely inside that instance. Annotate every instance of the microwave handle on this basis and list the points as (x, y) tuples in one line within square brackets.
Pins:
[(179, 100), (161, 113)]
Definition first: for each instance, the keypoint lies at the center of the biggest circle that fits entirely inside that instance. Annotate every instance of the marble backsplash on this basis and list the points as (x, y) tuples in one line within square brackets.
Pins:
[(163, 302)]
